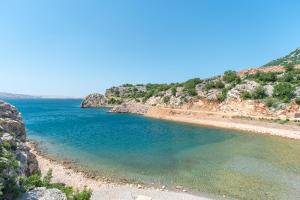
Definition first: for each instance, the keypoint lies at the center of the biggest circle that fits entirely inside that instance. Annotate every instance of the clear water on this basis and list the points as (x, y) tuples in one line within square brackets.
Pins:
[(215, 161)]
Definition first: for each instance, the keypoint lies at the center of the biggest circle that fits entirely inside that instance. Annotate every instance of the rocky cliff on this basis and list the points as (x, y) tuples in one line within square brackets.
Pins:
[(94, 100), (16, 161), (268, 91)]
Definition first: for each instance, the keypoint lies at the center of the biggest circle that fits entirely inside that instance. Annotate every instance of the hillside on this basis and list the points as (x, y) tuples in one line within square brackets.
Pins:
[(6, 95), (292, 58), (271, 92)]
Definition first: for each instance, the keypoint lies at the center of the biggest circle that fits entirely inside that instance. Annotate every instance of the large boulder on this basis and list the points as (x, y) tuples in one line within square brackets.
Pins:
[(269, 89), (42, 193), (95, 100)]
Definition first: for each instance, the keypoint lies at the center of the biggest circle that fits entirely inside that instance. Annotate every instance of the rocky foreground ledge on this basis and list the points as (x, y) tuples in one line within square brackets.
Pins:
[(16, 160)]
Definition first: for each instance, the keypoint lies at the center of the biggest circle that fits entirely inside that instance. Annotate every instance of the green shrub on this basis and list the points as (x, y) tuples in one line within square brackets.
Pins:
[(288, 77), (83, 195), (114, 101), (189, 86), (231, 76), (297, 100), (33, 181), (259, 93), (246, 95), (289, 67), (284, 91), (263, 77), (222, 97), (270, 102), (174, 90), (214, 85), (166, 99)]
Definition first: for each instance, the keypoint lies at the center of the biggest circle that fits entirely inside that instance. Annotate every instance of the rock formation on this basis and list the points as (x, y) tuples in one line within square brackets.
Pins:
[(16, 160), (94, 100)]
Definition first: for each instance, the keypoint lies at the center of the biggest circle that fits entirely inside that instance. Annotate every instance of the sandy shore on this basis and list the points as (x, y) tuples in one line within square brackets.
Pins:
[(220, 120), (63, 173)]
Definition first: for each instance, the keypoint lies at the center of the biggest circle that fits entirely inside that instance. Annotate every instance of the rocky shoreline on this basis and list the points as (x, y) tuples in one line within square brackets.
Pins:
[(16, 159)]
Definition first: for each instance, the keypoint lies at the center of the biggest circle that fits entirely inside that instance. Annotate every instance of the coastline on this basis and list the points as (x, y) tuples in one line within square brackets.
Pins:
[(231, 122), (102, 187)]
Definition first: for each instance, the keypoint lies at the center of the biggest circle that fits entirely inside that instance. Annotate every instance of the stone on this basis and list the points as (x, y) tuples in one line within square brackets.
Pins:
[(297, 115), (7, 137), (142, 197), (139, 186), (42, 193), (269, 89), (179, 187)]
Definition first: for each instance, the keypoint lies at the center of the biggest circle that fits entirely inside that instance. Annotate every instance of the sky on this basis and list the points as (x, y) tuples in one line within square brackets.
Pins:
[(73, 48)]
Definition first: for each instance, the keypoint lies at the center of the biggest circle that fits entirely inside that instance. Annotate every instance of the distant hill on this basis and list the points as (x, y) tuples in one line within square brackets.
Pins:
[(6, 95), (292, 58)]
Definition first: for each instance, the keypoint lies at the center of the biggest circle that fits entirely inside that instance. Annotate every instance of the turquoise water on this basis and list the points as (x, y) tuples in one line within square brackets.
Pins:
[(124, 146)]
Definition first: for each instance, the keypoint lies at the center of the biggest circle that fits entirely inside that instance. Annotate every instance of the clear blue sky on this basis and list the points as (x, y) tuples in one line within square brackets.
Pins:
[(60, 47)]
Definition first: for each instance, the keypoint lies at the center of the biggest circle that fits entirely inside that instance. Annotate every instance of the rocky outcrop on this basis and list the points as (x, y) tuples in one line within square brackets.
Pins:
[(16, 160), (95, 100), (43, 193), (135, 108)]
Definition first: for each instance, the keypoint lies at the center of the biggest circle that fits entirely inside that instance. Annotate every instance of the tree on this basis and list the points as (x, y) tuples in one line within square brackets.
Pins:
[(284, 91), (289, 67), (259, 93), (231, 76)]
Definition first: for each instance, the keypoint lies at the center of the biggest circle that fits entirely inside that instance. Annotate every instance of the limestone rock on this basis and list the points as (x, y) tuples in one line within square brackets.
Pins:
[(42, 193), (94, 101), (135, 108), (269, 89), (213, 94), (142, 197)]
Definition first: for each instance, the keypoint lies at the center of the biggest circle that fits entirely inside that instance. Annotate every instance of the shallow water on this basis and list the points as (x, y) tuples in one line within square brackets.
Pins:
[(206, 160)]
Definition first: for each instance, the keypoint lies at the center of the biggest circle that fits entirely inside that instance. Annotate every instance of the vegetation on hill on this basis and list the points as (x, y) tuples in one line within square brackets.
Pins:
[(276, 86), (272, 88), (292, 58)]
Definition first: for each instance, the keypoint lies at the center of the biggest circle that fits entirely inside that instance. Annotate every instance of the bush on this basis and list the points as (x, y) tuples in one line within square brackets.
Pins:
[(114, 101), (83, 195), (214, 85), (174, 90), (189, 86), (263, 77), (246, 95), (166, 99), (231, 76), (270, 102), (222, 97), (289, 67), (284, 91), (259, 93), (37, 181), (288, 77), (297, 100)]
